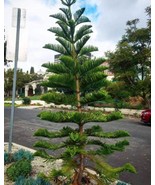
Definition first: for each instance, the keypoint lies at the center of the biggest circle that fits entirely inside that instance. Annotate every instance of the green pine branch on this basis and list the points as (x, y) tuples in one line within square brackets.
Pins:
[(60, 17), (59, 98), (48, 145), (80, 118), (65, 131), (107, 149), (106, 172), (89, 65), (87, 49), (56, 47), (93, 97), (97, 131), (78, 14), (42, 153), (63, 81)]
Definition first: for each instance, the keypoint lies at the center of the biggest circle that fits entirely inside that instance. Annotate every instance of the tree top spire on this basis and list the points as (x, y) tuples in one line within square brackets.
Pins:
[(68, 2)]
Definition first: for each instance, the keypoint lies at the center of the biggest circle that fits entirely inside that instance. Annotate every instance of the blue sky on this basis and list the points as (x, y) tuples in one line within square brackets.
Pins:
[(108, 18)]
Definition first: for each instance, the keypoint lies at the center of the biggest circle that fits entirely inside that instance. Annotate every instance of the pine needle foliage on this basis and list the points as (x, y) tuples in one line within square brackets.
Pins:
[(77, 80)]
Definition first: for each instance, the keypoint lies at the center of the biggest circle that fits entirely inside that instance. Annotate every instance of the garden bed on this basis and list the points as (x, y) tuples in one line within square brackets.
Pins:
[(39, 165)]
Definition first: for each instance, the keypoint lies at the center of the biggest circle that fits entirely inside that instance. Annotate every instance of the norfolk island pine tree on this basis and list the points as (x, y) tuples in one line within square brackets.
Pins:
[(81, 79)]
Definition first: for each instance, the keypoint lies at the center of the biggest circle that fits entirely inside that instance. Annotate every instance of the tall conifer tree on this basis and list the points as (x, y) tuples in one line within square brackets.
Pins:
[(79, 80)]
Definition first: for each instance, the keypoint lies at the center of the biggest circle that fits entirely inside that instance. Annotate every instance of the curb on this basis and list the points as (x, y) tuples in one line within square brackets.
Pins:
[(127, 112), (20, 147)]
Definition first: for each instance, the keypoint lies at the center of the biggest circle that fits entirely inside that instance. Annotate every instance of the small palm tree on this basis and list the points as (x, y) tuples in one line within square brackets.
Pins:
[(79, 80)]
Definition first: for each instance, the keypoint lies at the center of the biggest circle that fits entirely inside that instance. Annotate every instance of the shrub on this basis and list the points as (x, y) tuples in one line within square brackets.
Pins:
[(19, 168), (22, 154), (26, 101), (30, 181), (7, 158), (122, 183), (114, 116)]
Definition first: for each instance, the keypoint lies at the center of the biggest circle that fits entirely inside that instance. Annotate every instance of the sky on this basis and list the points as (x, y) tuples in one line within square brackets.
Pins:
[(108, 18)]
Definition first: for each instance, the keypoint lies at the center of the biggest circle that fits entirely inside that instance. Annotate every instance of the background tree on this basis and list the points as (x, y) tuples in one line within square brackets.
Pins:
[(131, 61), (6, 61), (84, 78), (32, 70), (117, 90), (35, 76), (22, 79)]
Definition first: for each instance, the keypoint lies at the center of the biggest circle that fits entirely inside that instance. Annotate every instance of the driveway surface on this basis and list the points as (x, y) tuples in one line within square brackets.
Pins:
[(137, 153)]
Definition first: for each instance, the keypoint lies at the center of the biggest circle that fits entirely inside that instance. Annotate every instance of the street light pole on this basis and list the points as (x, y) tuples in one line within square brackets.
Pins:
[(14, 78)]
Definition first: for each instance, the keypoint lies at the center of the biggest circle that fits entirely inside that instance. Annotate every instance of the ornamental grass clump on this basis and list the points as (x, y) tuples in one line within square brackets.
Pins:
[(31, 181), (77, 80), (18, 155), (19, 168)]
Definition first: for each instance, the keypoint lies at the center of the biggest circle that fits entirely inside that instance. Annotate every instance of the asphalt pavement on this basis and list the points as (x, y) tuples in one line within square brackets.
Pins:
[(138, 153)]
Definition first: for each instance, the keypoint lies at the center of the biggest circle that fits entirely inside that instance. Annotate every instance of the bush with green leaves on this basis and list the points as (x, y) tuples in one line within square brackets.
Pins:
[(114, 116), (19, 168), (23, 154), (8, 158), (30, 181), (26, 101), (18, 155), (122, 183), (78, 75)]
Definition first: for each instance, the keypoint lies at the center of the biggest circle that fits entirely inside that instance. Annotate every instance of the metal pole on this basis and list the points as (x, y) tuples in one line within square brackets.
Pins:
[(14, 78)]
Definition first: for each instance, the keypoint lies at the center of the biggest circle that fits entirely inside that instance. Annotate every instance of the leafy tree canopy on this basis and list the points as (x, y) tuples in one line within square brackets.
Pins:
[(131, 61)]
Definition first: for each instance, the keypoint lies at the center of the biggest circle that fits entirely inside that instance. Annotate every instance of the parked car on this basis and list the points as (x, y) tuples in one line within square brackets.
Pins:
[(146, 116)]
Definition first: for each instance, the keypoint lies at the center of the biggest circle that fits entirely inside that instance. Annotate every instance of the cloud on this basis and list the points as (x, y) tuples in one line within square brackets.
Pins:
[(113, 15), (108, 18)]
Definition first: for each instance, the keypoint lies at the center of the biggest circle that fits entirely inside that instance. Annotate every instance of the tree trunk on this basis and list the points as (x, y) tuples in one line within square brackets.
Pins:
[(78, 94), (78, 175)]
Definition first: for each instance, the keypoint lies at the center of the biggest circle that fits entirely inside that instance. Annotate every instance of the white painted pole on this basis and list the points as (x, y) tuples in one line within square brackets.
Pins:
[(14, 79)]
